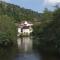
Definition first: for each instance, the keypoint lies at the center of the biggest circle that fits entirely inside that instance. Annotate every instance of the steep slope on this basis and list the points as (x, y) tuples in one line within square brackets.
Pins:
[(18, 13)]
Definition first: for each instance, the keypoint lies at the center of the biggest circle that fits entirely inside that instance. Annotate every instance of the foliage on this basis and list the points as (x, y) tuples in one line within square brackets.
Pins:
[(7, 30), (50, 34), (18, 13)]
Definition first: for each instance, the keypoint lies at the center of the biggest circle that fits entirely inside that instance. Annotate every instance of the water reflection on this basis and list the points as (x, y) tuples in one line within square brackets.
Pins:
[(26, 52), (7, 53), (25, 44), (26, 49)]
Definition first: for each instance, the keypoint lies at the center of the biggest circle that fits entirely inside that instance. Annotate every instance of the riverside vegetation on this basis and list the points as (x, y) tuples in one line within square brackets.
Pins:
[(47, 32)]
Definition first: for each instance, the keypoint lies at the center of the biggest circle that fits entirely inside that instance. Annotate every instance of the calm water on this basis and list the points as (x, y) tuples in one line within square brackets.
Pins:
[(25, 46), (25, 52)]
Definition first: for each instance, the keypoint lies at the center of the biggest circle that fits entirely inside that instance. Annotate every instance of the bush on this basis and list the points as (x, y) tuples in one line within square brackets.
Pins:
[(8, 31)]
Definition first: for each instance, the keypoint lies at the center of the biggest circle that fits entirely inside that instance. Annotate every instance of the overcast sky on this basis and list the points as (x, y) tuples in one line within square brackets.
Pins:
[(36, 5)]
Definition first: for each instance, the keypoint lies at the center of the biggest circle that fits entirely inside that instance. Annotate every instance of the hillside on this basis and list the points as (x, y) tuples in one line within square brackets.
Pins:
[(18, 13)]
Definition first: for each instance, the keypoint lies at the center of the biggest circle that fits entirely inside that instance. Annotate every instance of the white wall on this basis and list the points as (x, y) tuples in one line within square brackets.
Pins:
[(19, 30), (26, 31)]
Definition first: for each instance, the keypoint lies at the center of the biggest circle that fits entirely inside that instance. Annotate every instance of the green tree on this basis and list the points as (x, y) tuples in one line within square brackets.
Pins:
[(8, 31), (47, 16), (50, 34)]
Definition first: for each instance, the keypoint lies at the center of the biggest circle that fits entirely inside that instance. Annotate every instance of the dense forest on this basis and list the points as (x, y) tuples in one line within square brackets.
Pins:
[(18, 13)]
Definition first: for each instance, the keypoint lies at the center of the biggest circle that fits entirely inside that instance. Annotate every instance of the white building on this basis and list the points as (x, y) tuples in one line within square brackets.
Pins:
[(25, 28)]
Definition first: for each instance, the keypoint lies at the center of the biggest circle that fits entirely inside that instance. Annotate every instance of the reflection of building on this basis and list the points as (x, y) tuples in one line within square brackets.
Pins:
[(25, 28), (25, 44)]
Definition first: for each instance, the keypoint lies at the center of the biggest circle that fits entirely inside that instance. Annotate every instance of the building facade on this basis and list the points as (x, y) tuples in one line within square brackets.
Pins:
[(25, 28)]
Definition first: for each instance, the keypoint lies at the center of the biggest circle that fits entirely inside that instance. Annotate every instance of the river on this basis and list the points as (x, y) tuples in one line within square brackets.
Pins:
[(26, 52)]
